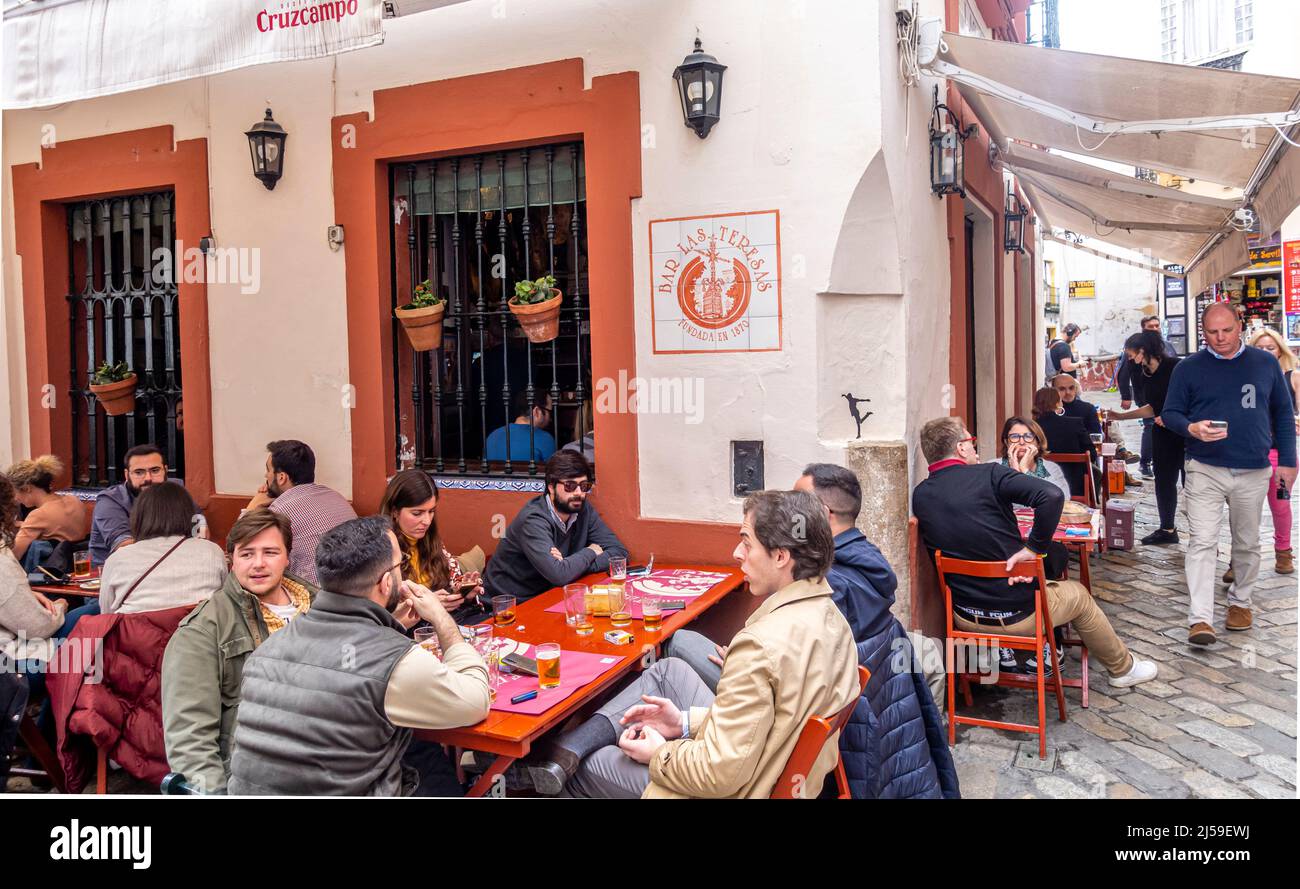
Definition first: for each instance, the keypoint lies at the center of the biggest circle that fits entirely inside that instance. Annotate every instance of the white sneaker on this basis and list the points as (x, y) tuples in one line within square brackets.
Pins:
[(1141, 671)]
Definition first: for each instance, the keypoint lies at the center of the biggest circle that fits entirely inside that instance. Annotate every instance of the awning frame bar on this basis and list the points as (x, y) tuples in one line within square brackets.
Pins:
[(1124, 224)]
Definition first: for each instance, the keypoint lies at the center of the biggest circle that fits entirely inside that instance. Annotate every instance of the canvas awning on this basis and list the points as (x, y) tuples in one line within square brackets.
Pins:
[(64, 50), (1203, 123)]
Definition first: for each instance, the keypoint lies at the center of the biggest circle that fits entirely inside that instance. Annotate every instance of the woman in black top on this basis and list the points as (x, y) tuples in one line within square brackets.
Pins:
[(1153, 364), (1065, 435)]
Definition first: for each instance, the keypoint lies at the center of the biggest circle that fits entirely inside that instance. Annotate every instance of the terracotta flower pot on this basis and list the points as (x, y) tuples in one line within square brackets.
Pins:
[(540, 321), (116, 398), (423, 326)]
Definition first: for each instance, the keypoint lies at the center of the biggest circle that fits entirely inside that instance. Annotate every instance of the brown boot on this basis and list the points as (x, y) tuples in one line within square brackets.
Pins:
[(1285, 562), (1238, 618), (1228, 576), (1201, 634)]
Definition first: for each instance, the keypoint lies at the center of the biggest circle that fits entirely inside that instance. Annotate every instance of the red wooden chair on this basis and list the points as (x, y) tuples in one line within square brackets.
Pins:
[(1089, 496), (994, 640), (812, 739)]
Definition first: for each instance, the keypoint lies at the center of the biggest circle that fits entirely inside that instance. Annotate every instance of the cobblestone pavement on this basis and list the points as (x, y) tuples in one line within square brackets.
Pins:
[(1218, 722)]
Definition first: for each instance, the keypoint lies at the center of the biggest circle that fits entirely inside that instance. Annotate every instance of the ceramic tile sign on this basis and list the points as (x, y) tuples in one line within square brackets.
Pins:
[(716, 283)]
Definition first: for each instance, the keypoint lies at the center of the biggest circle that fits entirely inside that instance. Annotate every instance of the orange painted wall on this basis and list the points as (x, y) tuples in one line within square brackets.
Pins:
[(504, 109), (104, 166)]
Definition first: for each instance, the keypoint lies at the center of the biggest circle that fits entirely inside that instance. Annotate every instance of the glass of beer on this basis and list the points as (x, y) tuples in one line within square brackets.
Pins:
[(1116, 475), (81, 563), (651, 612), (427, 638), (619, 615), (548, 665), (503, 610)]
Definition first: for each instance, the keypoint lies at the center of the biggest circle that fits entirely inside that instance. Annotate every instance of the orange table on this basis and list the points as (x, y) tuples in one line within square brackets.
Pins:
[(69, 589), (1079, 543), (510, 735)]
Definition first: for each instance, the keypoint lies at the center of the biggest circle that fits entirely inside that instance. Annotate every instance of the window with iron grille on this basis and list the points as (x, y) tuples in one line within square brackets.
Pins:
[(123, 307), (473, 226)]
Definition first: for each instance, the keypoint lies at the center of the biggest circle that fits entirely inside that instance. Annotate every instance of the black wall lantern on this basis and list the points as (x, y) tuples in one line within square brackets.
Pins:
[(1013, 223), (699, 85), (266, 143), (947, 173)]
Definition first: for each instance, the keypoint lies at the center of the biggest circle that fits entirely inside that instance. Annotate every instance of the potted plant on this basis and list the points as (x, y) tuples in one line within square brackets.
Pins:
[(536, 305), (114, 386), (422, 318)]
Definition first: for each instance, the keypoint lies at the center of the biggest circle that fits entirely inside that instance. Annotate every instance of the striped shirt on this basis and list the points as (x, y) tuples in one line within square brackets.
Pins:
[(312, 510)]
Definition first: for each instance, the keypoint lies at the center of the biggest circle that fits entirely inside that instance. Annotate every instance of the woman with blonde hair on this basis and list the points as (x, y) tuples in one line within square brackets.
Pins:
[(53, 517), (1275, 344)]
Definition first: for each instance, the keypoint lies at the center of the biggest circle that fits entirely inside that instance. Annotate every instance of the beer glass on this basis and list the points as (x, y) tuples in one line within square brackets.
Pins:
[(651, 612), (486, 646), (427, 638), (548, 665), (503, 610), (81, 563), (576, 614), (619, 615)]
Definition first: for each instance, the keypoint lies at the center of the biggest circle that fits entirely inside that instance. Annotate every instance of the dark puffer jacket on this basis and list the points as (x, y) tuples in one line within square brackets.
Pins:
[(894, 746)]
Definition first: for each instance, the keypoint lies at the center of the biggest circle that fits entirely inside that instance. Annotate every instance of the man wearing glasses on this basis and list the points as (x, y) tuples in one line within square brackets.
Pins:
[(556, 538), (111, 525)]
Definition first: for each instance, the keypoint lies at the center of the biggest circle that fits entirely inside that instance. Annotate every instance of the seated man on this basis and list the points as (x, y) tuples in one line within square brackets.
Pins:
[(291, 490), (556, 538), (1086, 412), (966, 510), (526, 438), (204, 662), (329, 702), (667, 735), (898, 702), (110, 525)]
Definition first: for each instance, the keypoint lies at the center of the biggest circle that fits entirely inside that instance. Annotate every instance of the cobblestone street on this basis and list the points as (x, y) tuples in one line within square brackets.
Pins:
[(1218, 722)]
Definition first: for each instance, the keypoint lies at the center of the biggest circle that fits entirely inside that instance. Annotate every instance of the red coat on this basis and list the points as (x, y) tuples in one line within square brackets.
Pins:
[(121, 713)]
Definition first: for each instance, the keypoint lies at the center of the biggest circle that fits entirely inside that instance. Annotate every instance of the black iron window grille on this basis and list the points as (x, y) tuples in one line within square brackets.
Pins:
[(123, 307), (456, 226)]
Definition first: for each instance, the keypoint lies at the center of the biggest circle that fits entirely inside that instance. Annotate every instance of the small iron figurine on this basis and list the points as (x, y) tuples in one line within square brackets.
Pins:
[(853, 409)]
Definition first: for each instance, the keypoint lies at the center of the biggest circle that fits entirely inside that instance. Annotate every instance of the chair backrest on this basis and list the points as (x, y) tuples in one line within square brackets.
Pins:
[(816, 732), (1089, 495), (927, 599), (945, 566)]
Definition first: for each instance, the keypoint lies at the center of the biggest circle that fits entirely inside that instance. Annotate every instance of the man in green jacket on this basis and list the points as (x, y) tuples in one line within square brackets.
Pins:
[(203, 666)]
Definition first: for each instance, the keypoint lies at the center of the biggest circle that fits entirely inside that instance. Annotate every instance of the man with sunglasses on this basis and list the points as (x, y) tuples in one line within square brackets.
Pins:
[(556, 538), (328, 703), (110, 526)]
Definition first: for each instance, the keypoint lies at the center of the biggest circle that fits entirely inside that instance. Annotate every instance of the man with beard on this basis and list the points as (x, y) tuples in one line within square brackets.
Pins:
[(291, 491), (556, 538), (111, 525), (328, 704)]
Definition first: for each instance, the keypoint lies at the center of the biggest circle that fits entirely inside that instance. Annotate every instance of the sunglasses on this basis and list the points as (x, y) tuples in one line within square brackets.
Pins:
[(570, 486)]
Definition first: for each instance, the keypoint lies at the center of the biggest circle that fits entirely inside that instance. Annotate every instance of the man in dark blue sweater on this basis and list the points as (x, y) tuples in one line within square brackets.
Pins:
[(556, 538), (1231, 402)]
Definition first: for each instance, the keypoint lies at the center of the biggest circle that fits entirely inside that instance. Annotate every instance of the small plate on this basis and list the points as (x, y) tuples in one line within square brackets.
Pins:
[(89, 585)]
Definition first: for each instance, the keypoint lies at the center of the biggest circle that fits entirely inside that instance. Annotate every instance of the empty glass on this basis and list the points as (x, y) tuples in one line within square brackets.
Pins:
[(427, 638), (576, 613), (503, 610)]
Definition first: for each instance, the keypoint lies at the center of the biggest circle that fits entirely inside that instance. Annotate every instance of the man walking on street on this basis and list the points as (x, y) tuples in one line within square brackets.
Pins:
[(1231, 402)]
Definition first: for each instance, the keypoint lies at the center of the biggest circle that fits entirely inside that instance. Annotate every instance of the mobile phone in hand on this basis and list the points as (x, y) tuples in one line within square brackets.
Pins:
[(1218, 424)]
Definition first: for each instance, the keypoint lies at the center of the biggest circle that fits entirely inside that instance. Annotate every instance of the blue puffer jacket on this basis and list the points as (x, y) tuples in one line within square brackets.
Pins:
[(894, 746)]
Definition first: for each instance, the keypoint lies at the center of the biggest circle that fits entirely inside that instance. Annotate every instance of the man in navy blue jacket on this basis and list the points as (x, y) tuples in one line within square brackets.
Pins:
[(1233, 405), (894, 746)]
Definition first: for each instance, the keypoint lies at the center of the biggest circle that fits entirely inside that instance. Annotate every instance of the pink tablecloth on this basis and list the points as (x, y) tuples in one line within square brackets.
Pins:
[(577, 668)]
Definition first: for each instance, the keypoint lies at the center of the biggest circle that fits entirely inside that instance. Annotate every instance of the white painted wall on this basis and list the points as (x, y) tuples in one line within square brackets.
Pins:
[(1124, 295), (811, 97)]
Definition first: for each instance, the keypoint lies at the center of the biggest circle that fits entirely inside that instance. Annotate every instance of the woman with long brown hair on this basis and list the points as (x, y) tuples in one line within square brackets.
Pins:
[(411, 504)]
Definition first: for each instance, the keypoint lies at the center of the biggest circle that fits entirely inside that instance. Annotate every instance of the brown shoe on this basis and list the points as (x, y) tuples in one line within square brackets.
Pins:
[(1238, 618), (1228, 576), (1285, 562), (1201, 634)]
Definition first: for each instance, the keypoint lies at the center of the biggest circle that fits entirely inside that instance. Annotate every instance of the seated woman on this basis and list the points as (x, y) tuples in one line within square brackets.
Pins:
[(1022, 447), (166, 566), (411, 504), (1064, 435), (53, 517)]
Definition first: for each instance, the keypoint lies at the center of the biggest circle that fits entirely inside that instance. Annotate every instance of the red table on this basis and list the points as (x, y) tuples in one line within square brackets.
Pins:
[(1079, 543), (510, 735), (69, 589)]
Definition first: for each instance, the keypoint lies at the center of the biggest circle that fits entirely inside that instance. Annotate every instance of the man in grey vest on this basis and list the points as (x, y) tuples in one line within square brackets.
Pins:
[(329, 702)]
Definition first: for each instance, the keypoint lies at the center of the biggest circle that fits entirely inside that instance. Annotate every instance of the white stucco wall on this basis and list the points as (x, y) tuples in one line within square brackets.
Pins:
[(811, 97), (1124, 294)]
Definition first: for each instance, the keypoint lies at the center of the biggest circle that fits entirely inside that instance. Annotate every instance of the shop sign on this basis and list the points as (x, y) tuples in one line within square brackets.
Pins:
[(1083, 289), (1291, 275)]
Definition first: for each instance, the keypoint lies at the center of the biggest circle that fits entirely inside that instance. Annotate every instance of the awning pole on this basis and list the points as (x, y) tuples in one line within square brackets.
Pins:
[(1110, 256)]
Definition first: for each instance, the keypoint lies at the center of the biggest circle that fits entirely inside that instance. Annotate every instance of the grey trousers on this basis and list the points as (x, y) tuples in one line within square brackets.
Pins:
[(609, 773), (1206, 491)]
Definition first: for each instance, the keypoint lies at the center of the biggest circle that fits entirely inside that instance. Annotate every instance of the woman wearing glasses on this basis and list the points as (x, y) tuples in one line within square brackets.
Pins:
[(1021, 448), (411, 504)]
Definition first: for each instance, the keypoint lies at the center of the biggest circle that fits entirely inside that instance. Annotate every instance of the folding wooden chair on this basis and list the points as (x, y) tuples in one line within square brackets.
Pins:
[(816, 732), (1089, 496), (994, 640)]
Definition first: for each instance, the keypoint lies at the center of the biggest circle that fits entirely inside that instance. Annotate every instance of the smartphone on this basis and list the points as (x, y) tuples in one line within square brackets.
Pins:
[(520, 664), (672, 604), (51, 575), (638, 570), (1219, 424)]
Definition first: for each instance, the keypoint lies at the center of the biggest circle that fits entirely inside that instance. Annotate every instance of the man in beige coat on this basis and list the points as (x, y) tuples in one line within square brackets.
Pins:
[(667, 735)]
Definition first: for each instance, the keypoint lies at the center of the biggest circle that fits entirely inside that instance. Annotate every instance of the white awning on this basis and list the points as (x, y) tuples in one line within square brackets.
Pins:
[(1213, 125), (64, 50)]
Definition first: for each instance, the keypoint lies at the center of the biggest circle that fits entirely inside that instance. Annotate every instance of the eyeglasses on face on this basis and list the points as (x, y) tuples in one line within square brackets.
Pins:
[(158, 471), (972, 439), (569, 486), (1020, 436)]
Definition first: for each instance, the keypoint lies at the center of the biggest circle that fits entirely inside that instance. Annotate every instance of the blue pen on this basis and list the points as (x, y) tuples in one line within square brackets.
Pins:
[(526, 696)]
